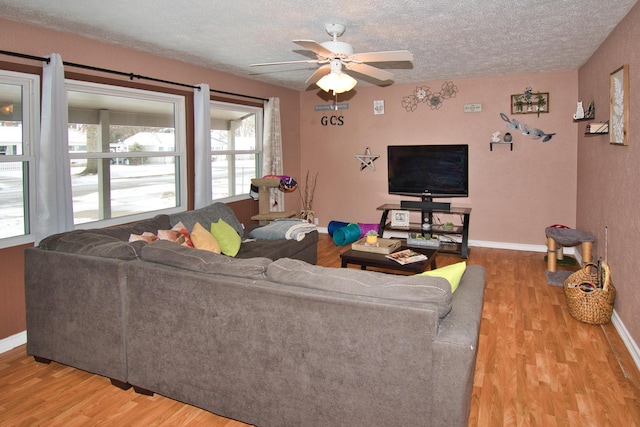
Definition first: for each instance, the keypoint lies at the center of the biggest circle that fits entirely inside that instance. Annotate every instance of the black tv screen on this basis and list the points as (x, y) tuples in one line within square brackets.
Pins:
[(429, 170)]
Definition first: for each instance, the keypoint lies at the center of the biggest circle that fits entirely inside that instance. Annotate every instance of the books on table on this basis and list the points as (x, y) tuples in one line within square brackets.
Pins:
[(406, 256)]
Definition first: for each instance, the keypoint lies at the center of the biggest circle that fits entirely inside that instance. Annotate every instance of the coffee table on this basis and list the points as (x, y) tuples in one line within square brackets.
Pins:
[(370, 259)]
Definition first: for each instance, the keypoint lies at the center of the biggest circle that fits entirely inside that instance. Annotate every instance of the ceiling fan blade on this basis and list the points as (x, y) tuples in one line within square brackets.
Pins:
[(317, 75), (370, 71), (305, 61), (315, 47), (393, 55)]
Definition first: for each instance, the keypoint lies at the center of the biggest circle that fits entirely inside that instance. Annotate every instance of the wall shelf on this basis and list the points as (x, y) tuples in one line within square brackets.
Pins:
[(600, 128), (510, 144)]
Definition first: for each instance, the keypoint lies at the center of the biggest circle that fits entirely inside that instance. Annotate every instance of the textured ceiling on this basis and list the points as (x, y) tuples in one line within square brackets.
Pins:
[(449, 39)]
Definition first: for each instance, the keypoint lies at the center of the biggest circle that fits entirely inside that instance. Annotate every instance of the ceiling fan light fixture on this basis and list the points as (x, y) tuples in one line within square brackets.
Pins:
[(337, 82)]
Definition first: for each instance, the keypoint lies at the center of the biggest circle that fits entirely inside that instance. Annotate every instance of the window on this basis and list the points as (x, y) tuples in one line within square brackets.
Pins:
[(236, 148), (127, 152), (19, 130)]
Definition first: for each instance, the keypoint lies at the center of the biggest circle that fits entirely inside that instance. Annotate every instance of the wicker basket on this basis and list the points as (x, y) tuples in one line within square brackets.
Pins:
[(589, 302)]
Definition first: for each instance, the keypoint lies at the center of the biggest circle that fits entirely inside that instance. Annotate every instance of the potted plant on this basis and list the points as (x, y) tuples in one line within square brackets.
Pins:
[(519, 103), (372, 237), (528, 94), (541, 102)]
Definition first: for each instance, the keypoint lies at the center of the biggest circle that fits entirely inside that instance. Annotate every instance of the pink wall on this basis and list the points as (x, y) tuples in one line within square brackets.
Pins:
[(608, 179), (514, 194)]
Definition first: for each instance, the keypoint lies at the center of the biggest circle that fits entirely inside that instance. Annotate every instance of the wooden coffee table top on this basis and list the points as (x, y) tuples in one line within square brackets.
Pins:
[(370, 259)]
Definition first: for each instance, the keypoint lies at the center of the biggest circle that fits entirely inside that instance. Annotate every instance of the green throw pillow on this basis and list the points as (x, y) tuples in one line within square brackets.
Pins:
[(453, 273), (227, 237)]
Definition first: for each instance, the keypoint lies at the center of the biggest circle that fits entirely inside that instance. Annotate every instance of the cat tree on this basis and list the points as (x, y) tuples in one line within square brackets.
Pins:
[(265, 214)]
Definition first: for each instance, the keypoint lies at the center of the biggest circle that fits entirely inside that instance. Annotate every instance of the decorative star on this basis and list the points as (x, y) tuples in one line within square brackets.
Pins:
[(367, 159)]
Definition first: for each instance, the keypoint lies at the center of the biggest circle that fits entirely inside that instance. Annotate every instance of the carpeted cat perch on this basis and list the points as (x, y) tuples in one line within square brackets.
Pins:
[(565, 237)]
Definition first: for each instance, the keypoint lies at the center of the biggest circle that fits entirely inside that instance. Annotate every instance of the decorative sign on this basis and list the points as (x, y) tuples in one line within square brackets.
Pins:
[(343, 106), (332, 120), (378, 106)]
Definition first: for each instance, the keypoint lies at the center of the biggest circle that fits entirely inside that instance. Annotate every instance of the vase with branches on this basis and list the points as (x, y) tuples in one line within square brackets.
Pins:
[(306, 196)]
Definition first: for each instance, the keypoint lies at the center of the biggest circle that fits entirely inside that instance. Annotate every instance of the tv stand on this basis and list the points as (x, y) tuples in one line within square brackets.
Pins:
[(461, 230)]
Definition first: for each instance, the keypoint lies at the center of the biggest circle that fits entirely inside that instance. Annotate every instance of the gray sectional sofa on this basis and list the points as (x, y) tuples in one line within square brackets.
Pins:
[(270, 341)]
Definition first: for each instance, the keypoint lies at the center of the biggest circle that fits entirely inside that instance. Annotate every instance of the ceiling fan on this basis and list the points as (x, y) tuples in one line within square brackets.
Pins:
[(334, 55)]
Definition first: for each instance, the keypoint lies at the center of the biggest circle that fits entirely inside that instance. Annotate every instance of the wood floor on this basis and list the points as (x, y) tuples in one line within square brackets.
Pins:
[(536, 366)]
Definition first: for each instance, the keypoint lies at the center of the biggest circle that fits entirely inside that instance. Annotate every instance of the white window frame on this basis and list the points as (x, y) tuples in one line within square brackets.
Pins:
[(30, 138), (258, 151), (180, 148)]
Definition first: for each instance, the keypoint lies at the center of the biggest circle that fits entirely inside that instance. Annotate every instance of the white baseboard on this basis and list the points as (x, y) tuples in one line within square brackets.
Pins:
[(13, 341), (626, 338)]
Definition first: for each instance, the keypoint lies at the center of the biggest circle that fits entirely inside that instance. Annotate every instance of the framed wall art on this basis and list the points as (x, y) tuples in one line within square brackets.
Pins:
[(619, 109), (530, 103)]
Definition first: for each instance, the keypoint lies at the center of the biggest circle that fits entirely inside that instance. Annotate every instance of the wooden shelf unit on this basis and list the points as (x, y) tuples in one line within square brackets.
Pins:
[(462, 230)]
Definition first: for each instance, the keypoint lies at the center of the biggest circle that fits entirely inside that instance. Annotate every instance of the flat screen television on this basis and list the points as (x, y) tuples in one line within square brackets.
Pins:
[(429, 171)]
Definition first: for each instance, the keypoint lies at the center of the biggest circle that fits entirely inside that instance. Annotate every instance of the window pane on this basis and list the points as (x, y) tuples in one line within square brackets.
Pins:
[(220, 176), (13, 197), (245, 169), (125, 147), (19, 96), (236, 143), (144, 184), (11, 136)]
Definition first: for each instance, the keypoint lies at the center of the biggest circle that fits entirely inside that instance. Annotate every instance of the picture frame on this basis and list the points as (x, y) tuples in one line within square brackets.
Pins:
[(539, 103), (399, 218), (619, 106)]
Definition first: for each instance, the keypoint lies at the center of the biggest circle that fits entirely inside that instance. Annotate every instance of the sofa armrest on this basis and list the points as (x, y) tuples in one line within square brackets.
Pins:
[(455, 349), (75, 310)]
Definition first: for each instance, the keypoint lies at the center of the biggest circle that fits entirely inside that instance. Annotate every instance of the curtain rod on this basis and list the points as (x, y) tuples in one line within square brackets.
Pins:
[(121, 73), (237, 94)]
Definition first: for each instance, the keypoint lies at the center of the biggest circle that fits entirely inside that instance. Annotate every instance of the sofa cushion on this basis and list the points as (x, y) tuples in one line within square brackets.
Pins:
[(120, 232), (168, 253), (203, 239), (86, 242), (227, 237), (275, 249), (205, 216), (453, 273), (423, 289)]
